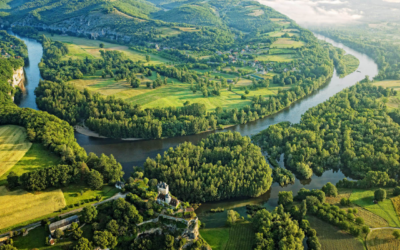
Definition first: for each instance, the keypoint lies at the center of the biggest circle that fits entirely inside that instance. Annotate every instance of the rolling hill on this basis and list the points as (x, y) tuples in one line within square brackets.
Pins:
[(191, 14)]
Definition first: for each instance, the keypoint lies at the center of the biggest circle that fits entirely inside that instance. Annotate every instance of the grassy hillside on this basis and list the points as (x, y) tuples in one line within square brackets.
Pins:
[(58, 10), (190, 14)]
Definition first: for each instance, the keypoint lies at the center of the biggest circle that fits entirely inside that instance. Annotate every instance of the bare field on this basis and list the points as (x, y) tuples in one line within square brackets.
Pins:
[(19, 206), (13, 146)]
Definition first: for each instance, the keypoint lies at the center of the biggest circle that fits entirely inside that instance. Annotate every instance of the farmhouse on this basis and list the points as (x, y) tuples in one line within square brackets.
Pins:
[(164, 197), (63, 224)]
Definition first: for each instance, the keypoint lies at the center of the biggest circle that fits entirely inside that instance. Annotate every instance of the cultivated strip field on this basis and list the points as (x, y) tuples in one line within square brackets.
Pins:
[(333, 239), (384, 209), (382, 240), (13, 146), (19, 206), (238, 237)]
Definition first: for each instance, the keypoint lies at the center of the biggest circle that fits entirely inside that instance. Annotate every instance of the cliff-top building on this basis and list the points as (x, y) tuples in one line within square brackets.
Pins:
[(164, 196)]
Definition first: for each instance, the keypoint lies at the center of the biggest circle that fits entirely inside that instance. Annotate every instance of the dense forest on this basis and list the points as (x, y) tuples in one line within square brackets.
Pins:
[(352, 131), (222, 166), (277, 230)]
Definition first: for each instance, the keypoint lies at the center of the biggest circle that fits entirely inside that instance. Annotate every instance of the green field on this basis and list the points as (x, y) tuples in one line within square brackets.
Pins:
[(27, 206), (217, 238), (73, 195), (384, 209), (333, 239), (13, 146), (238, 237), (80, 48), (36, 157), (283, 43), (281, 51), (169, 95)]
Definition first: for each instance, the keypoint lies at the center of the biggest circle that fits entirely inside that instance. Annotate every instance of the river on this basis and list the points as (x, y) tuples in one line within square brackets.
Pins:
[(134, 153)]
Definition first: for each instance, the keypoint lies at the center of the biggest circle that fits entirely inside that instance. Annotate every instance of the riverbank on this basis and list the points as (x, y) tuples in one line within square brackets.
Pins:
[(85, 131)]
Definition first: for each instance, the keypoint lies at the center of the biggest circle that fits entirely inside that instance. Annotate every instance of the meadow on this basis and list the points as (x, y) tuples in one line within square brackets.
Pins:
[(239, 237), (36, 157), (172, 94), (392, 102), (382, 240), (27, 206), (80, 48), (76, 193), (384, 209), (13, 146), (333, 239)]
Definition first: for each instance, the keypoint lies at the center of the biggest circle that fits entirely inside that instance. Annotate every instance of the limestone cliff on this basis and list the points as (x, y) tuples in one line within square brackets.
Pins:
[(18, 79)]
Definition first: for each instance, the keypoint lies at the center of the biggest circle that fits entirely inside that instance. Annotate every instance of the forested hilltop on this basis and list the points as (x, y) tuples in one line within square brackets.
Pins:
[(231, 62)]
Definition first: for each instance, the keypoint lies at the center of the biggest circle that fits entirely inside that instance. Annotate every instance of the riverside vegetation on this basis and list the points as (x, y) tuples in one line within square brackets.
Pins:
[(241, 70)]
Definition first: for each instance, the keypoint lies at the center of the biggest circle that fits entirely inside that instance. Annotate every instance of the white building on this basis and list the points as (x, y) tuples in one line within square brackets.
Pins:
[(164, 196)]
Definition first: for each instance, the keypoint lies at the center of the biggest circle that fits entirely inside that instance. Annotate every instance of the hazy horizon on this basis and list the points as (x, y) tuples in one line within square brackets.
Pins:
[(337, 12)]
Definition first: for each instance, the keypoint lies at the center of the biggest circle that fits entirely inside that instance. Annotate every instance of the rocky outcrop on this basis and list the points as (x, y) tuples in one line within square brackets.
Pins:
[(18, 78)]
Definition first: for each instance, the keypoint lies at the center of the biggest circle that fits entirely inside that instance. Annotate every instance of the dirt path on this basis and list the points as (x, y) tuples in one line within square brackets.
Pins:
[(380, 228)]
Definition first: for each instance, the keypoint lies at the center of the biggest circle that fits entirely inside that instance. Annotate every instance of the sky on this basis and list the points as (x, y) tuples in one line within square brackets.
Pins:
[(336, 12)]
